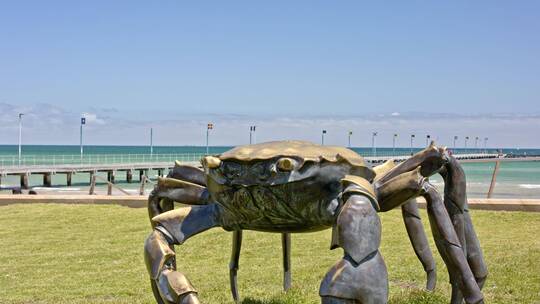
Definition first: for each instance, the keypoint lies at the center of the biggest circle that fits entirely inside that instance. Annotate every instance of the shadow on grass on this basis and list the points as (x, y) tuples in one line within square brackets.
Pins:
[(271, 301), (419, 297), (407, 297)]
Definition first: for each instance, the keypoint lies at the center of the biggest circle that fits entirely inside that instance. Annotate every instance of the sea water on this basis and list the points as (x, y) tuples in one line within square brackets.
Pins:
[(516, 179)]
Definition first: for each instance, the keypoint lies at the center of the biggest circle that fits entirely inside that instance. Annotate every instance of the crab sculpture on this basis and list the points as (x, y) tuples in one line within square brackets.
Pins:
[(294, 186)]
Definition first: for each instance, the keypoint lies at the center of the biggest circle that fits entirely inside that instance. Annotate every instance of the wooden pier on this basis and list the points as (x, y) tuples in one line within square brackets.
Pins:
[(69, 170), (47, 171)]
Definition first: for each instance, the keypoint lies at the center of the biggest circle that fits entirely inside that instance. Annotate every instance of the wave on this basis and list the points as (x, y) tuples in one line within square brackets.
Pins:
[(530, 186)]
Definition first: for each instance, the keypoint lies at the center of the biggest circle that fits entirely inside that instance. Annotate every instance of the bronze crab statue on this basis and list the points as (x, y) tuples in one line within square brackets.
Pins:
[(295, 186)]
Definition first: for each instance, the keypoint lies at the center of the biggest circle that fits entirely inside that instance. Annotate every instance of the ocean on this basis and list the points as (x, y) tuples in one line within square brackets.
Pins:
[(515, 179)]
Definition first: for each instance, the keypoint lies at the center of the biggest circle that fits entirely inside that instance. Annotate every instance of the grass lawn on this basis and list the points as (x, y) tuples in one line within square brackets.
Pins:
[(93, 254)]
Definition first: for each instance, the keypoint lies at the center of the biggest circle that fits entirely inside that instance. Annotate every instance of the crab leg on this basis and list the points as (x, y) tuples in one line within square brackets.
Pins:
[(184, 184), (419, 241), (412, 184), (170, 190), (286, 248), (234, 264), (455, 200), (174, 228), (430, 160), (415, 230)]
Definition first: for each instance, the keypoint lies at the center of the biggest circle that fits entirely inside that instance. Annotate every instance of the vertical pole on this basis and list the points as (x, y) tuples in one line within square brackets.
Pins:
[(80, 139), (143, 182), (412, 138), (394, 145), (68, 178), (350, 133), (373, 148), (20, 136), (455, 138), (92, 183), (151, 142), (322, 137), (493, 179), (207, 130)]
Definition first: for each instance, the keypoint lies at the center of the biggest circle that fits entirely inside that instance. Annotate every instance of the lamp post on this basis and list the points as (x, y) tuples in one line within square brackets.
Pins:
[(151, 142), (20, 136), (455, 139), (476, 144), (412, 139), (485, 144), (350, 134), (209, 127), (83, 122), (427, 139), (466, 140), (252, 134), (322, 137), (373, 147), (394, 144)]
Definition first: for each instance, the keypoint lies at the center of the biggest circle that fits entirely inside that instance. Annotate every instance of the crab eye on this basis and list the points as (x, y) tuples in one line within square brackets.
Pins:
[(286, 164)]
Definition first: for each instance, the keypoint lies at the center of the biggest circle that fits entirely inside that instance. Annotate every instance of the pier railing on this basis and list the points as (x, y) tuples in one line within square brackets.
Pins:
[(10, 161), (89, 159)]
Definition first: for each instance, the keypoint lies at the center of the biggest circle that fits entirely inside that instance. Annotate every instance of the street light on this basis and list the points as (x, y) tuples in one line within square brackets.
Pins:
[(427, 139), (83, 122), (322, 137), (485, 144), (350, 134), (412, 139), (455, 139), (394, 144), (151, 142), (252, 131), (20, 136), (466, 139), (476, 144), (209, 127), (373, 136)]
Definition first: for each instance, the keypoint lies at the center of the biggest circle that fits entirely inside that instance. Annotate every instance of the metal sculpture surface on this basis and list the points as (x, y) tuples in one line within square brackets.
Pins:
[(295, 186)]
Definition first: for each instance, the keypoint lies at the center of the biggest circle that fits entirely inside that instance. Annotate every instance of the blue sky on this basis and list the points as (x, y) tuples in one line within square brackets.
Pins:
[(134, 64)]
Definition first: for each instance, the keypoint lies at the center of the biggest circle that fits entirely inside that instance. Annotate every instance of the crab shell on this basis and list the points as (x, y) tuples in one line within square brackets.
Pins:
[(304, 196)]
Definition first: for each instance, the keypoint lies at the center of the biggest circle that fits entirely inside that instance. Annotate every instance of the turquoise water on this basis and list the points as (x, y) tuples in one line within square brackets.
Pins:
[(515, 179)]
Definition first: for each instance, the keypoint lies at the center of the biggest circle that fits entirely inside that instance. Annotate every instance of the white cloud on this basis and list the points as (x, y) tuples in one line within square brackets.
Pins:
[(92, 118), (49, 124)]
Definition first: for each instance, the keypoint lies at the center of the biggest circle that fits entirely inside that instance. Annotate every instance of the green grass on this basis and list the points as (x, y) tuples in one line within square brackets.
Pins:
[(93, 254)]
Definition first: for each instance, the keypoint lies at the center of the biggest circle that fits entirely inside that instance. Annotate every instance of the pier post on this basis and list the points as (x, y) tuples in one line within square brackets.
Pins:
[(68, 178), (159, 172), (143, 182), (129, 176), (47, 179), (493, 179), (24, 181), (141, 174), (110, 176), (92, 183)]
